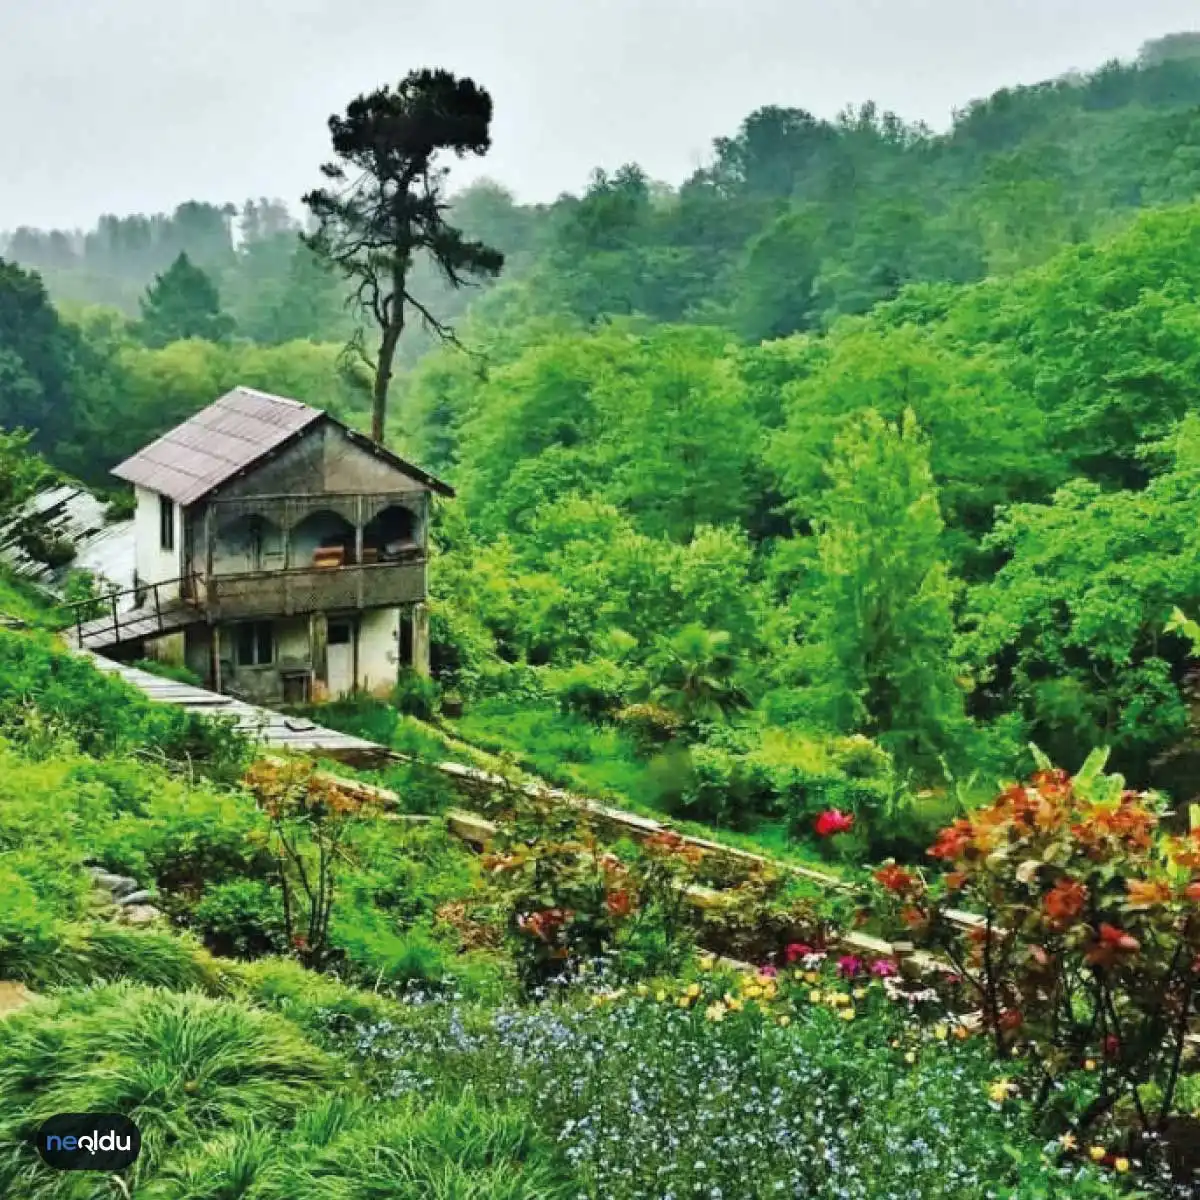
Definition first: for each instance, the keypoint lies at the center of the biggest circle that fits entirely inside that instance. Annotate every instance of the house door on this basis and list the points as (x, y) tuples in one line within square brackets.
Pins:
[(340, 657)]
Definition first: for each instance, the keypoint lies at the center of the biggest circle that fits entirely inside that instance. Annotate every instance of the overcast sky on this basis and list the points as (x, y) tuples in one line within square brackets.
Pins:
[(136, 105)]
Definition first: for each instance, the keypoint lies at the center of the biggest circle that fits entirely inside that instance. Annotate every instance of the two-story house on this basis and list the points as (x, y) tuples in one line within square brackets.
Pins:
[(279, 554)]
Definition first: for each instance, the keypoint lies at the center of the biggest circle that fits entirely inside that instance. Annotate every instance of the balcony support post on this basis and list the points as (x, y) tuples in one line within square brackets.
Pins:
[(318, 649), (419, 615)]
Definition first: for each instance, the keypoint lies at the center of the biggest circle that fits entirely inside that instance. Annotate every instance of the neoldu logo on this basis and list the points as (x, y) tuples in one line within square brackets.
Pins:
[(89, 1142)]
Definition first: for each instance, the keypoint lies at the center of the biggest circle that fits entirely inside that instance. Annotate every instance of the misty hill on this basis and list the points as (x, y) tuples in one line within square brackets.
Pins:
[(794, 221)]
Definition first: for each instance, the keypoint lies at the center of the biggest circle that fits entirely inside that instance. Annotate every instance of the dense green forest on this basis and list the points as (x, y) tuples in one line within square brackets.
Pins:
[(861, 430)]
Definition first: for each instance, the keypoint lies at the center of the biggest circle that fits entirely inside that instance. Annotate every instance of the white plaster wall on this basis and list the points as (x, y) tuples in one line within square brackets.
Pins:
[(155, 565), (379, 650)]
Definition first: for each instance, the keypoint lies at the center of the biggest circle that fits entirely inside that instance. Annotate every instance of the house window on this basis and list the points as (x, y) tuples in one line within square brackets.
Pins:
[(255, 644), (340, 633), (166, 523)]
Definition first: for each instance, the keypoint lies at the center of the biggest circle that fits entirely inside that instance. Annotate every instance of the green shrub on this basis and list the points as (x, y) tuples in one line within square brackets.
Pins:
[(184, 1068), (107, 716), (594, 690), (416, 695), (187, 838), (240, 918), (165, 670)]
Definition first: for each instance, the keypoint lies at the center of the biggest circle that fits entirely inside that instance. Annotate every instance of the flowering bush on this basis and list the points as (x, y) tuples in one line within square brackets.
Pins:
[(572, 903), (310, 816), (1084, 956)]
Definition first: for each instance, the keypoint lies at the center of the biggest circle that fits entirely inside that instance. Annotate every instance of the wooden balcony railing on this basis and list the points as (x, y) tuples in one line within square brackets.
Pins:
[(311, 589)]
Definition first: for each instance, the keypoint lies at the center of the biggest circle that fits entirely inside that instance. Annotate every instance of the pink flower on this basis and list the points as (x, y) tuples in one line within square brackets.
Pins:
[(795, 950), (833, 821), (849, 966), (884, 968), (768, 972)]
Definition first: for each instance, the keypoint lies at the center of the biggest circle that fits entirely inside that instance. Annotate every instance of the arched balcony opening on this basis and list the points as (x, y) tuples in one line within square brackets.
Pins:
[(323, 539), (392, 535)]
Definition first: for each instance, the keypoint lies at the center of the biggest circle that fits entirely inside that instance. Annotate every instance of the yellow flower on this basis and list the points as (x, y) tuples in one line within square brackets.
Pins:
[(839, 998), (643, 990), (715, 1012), (815, 995), (684, 1001), (769, 992), (733, 1003), (1121, 1165), (598, 1000), (811, 977), (941, 1032), (752, 991), (1001, 1090), (785, 1020), (1068, 1141), (1097, 1153), (961, 1032), (1090, 1065), (660, 995), (847, 1014), (895, 1043), (693, 990), (910, 1057), (706, 962), (859, 993)]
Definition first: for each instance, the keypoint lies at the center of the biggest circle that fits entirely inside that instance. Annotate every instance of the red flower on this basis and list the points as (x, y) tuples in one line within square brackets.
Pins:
[(849, 966), (795, 951), (1193, 891), (1011, 1019), (1112, 1046), (895, 879), (1110, 943), (619, 903), (953, 840), (833, 821), (1064, 902)]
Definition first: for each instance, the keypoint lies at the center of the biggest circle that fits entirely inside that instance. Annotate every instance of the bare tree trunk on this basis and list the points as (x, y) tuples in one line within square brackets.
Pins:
[(383, 378)]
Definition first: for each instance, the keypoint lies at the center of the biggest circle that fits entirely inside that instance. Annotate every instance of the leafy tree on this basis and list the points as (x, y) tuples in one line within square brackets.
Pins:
[(1070, 631), (882, 629), (37, 352), (386, 207), (182, 303), (692, 674)]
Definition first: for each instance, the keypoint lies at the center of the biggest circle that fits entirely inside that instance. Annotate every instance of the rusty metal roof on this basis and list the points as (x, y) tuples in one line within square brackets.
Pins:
[(232, 434), (229, 435)]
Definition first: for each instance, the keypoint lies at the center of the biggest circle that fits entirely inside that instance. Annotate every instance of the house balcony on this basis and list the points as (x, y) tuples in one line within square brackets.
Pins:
[(299, 590), (271, 556)]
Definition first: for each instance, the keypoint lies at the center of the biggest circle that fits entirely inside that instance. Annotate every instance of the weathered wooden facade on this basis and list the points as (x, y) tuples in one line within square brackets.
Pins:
[(290, 550)]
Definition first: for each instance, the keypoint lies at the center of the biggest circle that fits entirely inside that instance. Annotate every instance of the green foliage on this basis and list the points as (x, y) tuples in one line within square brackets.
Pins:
[(165, 670), (182, 303), (103, 714), (883, 624), (184, 1067)]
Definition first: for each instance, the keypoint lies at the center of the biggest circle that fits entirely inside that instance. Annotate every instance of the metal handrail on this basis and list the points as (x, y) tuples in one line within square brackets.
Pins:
[(78, 607)]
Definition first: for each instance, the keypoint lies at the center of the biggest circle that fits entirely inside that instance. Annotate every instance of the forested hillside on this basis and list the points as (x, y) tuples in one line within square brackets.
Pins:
[(861, 430)]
